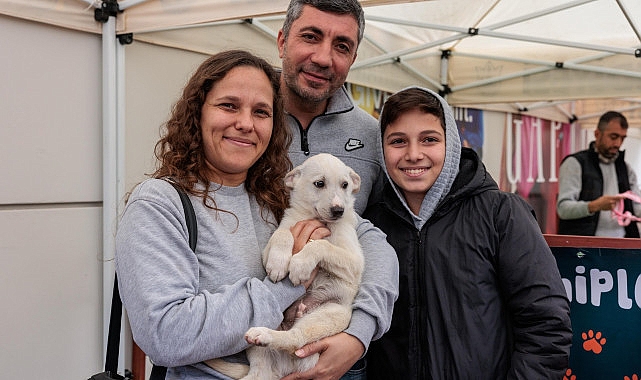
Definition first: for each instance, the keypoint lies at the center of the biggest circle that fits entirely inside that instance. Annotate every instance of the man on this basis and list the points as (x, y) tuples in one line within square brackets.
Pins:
[(591, 180), (317, 45)]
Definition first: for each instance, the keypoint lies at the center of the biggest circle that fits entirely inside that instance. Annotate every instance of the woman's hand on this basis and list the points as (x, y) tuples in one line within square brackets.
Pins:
[(304, 231), (338, 354)]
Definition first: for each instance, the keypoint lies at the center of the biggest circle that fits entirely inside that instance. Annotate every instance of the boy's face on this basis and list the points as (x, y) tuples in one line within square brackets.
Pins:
[(414, 149)]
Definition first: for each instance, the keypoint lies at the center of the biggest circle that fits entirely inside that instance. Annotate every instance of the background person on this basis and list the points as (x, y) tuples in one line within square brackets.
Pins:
[(590, 181), (318, 44), (480, 296)]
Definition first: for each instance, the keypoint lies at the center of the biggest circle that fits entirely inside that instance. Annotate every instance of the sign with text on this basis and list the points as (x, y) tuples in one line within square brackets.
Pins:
[(533, 151), (604, 288)]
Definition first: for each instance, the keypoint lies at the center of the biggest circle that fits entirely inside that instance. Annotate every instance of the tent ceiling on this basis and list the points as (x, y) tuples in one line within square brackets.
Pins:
[(146, 15), (506, 50), (503, 54), (528, 57)]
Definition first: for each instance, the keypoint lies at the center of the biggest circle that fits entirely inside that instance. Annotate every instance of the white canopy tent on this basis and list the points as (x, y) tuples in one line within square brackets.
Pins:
[(498, 54), (532, 57)]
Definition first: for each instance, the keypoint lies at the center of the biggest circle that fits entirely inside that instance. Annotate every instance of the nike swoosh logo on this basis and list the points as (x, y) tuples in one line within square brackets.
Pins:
[(353, 144)]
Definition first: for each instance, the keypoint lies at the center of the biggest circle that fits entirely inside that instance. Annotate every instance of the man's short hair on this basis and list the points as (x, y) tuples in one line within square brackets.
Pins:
[(609, 116), (342, 7)]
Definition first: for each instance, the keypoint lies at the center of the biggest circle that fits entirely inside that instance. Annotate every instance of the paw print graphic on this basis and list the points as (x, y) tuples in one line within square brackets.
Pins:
[(634, 377), (569, 375), (593, 342)]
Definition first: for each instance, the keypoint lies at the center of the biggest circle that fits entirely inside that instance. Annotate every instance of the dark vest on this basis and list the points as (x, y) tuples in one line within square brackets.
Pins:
[(592, 188)]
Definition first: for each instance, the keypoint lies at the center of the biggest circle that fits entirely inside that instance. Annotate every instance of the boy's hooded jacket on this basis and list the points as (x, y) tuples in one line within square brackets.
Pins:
[(481, 296)]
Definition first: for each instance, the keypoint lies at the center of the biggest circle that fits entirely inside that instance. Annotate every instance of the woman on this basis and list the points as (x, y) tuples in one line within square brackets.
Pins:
[(226, 146), (480, 296)]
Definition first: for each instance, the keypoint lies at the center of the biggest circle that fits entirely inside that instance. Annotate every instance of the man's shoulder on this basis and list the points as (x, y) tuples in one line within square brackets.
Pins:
[(368, 119), (579, 156), (341, 102)]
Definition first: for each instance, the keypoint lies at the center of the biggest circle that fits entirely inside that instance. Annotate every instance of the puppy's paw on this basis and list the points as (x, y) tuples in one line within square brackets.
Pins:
[(259, 336), (300, 268), (277, 264)]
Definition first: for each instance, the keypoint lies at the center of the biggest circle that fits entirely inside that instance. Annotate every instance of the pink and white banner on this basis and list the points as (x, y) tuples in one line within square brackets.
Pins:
[(533, 151)]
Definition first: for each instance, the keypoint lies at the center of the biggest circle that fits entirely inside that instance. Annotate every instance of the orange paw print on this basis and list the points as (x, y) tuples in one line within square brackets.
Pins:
[(634, 377), (569, 375), (593, 342)]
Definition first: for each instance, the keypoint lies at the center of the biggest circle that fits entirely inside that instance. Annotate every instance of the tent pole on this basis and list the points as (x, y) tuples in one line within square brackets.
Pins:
[(626, 13), (486, 31), (545, 66), (405, 66), (124, 4), (445, 60), (109, 169)]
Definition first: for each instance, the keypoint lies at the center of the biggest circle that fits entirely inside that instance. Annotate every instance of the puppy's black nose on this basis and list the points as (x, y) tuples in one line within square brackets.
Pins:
[(337, 212)]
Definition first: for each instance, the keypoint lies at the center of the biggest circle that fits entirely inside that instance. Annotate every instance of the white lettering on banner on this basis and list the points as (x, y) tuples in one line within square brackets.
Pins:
[(622, 284), (514, 148), (512, 176), (555, 126), (538, 137), (462, 115), (602, 283)]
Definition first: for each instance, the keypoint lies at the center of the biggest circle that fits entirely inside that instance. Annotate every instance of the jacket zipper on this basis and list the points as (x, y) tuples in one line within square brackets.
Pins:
[(304, 143)]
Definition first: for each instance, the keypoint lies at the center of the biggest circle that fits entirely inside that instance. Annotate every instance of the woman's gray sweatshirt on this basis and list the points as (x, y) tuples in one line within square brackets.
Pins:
[(186, 307)]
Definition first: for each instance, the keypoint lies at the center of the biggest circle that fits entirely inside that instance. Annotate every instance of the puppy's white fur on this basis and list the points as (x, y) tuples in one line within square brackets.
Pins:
[(322, 188)]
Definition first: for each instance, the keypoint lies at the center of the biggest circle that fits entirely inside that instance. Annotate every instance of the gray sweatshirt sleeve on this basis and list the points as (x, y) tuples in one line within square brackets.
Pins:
[(174, 317), (373, 307), (568, 205)]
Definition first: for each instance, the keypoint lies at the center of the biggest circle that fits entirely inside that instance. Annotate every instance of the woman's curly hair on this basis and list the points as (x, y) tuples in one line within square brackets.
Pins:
[(180, 152)]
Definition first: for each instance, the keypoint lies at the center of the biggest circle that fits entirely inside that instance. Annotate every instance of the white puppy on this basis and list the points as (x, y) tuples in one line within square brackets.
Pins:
[(322, 188)]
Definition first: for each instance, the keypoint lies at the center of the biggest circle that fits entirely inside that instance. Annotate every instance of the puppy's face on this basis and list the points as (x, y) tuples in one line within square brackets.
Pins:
[(324, 187)]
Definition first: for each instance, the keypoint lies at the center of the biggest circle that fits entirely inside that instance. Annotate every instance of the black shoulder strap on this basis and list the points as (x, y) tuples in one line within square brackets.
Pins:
[(190, 217), (113, 339)]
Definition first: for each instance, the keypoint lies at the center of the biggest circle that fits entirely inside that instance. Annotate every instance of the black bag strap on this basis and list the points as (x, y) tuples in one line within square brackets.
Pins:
[(190, 217), (113, 339)]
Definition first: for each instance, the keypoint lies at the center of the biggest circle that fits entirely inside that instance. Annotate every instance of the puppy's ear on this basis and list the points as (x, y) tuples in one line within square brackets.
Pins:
[(356, 180), (292, 177)]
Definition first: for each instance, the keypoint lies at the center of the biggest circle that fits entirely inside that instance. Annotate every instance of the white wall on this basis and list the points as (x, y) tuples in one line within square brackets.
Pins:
[(151, 90), (50, 202)]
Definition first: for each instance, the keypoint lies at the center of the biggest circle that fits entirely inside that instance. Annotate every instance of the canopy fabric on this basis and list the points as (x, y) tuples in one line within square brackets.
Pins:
[(72, 14), (495, 54), (145, 15), (510, 50)]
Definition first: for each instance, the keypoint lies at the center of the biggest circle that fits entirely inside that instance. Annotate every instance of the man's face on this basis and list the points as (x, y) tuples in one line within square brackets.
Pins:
[(318, 53), (608, 142)]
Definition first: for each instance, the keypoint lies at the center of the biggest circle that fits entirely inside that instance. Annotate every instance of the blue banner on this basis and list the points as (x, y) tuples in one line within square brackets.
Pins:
[(604, 288), (470, 128)]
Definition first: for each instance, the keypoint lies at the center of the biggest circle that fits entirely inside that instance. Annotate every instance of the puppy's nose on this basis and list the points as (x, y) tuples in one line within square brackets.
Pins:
[(337, 211)]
